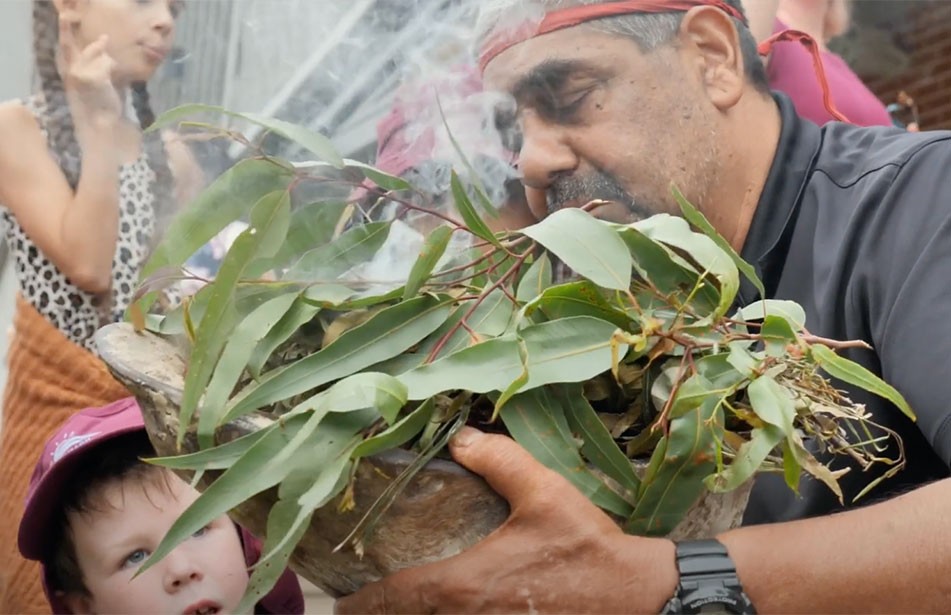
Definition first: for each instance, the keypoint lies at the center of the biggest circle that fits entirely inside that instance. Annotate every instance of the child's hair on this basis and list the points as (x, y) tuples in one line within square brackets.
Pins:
[(84, 494), (60, 127)]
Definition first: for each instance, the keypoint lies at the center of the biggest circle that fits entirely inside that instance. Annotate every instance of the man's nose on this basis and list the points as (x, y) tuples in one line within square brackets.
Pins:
[(546, 154), (181, 568)]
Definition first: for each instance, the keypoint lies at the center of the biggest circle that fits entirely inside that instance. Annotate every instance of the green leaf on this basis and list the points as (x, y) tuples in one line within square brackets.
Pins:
[(383, 180), (667, 271), (473, 175), (580, 298), (313, 142), (597, 444), (265, 577), (748, 459), (812, 466), (470, 216), (535, 280), (223, 456), (856, 375), (792, 471), (233, 361), (567, 350), (536, 420), (386, 334), (433, 250), (772, 403), (694, 217), (490, 319), (229, 198), (381, 392), (589, 247), (516, 385), (791, 311), (299, 313), (328, 262), (311, 226), (777, 333), (677, 471), (269, 220), (709, 258), (399, 433)]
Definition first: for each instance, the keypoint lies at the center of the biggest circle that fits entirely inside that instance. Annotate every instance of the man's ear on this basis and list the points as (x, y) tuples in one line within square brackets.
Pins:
[(710, 38), (78, 603)]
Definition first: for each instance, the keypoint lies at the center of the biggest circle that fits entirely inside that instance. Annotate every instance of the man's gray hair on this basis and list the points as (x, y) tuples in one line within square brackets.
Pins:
[(648, 30)]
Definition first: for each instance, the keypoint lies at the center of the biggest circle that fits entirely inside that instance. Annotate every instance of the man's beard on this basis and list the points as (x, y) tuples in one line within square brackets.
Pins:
[(577, 190)]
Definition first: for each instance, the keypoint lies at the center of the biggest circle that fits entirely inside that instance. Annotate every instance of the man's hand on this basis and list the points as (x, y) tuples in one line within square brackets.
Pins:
[(556, 553)]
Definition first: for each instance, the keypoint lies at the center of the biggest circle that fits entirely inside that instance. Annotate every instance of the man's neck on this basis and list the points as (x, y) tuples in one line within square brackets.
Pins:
[(753, 142)]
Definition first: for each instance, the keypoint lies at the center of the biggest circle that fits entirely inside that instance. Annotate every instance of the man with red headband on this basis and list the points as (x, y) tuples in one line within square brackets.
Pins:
[(615, 101)]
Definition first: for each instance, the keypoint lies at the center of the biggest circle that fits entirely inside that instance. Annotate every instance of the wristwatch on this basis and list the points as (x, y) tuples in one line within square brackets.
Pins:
[(708, 581)]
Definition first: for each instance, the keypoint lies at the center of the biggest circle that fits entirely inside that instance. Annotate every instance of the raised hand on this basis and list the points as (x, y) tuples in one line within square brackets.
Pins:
[(87, 76)]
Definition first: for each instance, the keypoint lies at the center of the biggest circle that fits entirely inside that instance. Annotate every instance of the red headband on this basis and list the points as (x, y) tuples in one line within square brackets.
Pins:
[(576, 15)]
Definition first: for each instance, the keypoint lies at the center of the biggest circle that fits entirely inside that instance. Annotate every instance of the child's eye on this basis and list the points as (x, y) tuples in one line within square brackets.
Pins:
[(201, 532), (135, 558)]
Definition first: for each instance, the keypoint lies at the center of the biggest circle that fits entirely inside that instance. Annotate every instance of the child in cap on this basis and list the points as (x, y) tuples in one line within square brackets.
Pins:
[(95, 512)]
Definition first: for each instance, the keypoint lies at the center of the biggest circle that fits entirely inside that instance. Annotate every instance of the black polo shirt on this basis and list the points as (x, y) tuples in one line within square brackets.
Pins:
[(855, 225)]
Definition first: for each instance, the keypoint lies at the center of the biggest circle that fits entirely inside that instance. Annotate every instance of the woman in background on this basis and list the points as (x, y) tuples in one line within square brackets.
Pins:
[(790, 66), (84, 194)]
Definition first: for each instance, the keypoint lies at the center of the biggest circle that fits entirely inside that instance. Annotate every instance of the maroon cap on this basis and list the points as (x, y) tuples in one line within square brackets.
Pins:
[(79, 435)]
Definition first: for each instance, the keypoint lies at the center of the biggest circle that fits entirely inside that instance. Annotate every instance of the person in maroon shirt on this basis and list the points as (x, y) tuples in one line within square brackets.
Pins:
[(790, 65)]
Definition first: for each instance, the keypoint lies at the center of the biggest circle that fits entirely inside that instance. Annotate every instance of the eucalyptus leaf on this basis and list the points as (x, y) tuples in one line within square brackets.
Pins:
[(597, 444), (434, 247), (388, 333), (679, 466), (748, 460), (791, 311), (313, 142), (590, 248), (312, 225), (223, 456), (229, 198), (328, 262), (399, 433), (772, 403), (855, 374), (533, 418), (580, 298), (234, 360), (470, 216), (694, 217), (536, 279), (567, 350), (676, 233), (269, 221)]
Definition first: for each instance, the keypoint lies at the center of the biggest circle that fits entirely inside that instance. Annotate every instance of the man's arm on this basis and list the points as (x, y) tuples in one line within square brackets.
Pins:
[(558, 553)]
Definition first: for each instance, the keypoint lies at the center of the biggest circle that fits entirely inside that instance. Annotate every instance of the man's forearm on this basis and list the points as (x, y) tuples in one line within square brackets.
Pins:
[(889, 557)]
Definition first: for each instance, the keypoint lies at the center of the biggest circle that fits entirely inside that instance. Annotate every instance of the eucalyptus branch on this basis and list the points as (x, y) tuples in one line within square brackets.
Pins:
[(478, 301)]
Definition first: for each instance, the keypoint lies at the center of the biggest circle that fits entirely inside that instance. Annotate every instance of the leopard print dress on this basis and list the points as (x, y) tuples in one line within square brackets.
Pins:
[(75, 312)]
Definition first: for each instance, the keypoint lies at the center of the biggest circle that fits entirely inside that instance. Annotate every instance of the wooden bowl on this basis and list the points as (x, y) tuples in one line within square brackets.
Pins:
[(444, 509)]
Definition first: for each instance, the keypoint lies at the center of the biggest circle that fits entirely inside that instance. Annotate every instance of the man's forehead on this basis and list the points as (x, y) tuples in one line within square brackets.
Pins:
[(562, 54)]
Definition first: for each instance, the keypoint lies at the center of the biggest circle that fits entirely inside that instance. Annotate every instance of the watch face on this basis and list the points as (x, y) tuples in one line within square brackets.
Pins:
[(717, 600)]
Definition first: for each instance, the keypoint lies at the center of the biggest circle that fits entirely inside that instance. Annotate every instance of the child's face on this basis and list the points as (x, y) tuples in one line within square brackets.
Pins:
[(140, 31), (204, 574)]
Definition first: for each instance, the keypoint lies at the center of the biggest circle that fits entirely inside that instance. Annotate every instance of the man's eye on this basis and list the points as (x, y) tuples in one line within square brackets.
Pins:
[(135, 558), (565, 111)]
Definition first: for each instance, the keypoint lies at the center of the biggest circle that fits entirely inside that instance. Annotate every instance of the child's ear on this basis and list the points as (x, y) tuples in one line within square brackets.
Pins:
[(78, 604)]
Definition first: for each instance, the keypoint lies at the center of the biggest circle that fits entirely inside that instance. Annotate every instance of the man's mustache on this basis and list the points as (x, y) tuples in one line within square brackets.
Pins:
[(575, 191)]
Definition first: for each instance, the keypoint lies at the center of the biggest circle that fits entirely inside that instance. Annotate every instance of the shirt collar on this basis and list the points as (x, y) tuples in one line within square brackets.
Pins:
[(771, 231)]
